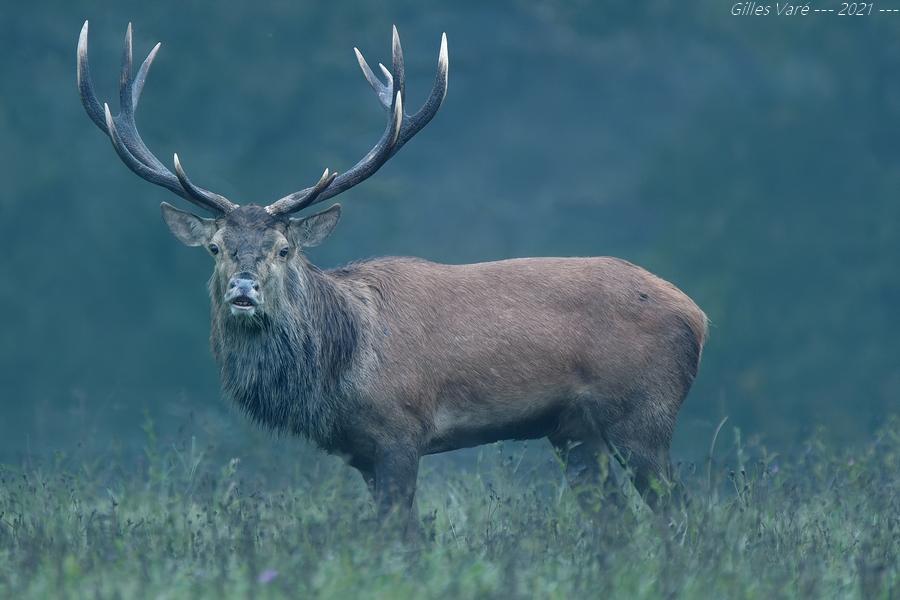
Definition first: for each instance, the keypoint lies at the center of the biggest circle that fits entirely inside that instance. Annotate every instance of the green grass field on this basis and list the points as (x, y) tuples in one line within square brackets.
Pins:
[(821, 523)]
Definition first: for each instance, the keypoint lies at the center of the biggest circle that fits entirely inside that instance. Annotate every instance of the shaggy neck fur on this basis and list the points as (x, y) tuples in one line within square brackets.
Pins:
[(288, 368)]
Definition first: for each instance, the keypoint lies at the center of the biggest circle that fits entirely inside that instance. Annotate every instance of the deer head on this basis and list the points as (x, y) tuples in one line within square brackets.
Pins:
[(256, 249)]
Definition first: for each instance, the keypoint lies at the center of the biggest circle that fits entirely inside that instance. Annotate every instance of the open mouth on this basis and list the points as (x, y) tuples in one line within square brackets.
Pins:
[(243, 302)]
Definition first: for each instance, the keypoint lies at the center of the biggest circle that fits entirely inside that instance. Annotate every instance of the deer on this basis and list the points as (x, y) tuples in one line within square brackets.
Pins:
[(387, 360)]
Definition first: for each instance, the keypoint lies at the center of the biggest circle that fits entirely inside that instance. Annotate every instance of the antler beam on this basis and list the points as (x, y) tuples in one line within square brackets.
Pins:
[(399, 129)]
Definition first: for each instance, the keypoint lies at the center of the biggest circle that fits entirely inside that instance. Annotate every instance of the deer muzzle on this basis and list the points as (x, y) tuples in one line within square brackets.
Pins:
[(243, 295)]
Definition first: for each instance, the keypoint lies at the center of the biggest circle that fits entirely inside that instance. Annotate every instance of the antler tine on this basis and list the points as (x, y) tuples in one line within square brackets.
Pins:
[(399, 79), (137, 85), (122, 129), (301, 200), (435, 98), (88, 97), (198, 192), (400, 127), (130, 160), (125, 100)]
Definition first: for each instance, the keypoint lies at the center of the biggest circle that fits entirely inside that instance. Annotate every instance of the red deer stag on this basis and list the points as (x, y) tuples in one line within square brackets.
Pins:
[(387, 360)]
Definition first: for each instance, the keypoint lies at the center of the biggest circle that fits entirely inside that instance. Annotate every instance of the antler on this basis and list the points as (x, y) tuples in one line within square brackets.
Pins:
[(122, 129), (123, 132), (400, 128)]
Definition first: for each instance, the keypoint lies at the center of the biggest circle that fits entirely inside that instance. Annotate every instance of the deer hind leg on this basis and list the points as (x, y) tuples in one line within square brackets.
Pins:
[(641, 445), (589, 471)]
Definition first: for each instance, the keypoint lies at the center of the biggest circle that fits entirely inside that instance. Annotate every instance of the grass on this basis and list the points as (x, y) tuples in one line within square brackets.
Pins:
[(822, 523)]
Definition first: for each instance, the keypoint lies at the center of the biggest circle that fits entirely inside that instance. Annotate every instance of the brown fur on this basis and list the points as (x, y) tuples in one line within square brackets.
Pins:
[(491, 345), (591, 351)]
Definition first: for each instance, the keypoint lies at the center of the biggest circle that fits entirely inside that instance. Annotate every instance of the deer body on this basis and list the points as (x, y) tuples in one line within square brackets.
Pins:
[(431, 358), (384, 361)]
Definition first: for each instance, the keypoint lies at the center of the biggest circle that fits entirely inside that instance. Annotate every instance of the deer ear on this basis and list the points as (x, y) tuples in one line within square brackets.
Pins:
[(312, 230), (190, 229)]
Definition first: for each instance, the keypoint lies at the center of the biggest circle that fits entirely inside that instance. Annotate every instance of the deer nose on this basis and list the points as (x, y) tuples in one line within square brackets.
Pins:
[(243, 281)]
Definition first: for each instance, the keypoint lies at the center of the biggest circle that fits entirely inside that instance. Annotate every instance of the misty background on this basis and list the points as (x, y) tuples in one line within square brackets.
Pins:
[(753, 162)]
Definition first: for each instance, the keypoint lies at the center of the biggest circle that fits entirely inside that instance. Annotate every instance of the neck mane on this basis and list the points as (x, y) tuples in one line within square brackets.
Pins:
[(288, 369)]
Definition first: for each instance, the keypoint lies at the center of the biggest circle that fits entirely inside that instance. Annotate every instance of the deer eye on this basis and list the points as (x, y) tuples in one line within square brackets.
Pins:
[(284, 252), (213, 249)]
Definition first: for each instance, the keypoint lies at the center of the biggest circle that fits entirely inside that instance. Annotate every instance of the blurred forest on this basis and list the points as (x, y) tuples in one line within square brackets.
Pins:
[(754, 162)]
